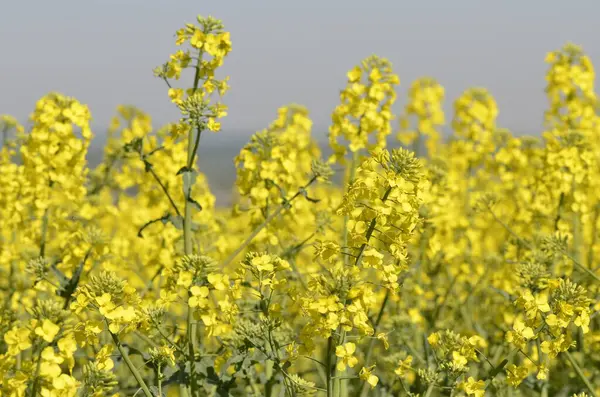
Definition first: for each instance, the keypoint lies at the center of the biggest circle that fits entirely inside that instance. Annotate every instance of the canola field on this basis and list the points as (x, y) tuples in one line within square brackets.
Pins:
[(467, 266)]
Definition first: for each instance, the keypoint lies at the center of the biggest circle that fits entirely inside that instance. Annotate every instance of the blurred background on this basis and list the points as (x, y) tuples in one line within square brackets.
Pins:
[(103, 52)]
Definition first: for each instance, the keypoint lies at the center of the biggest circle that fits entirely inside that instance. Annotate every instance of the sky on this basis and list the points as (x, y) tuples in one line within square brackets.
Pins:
[(103, 51)]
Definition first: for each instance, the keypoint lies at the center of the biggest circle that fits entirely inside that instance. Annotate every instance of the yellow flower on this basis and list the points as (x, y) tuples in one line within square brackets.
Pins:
[(354, 74), (213, 325), (520, 334), (433, 339), (263, 263), (473, 387), (48, 330), (383, 337), (555, 346), (213, 125), (458, 360), (105, 304), (103, 359), (66, 384), (176, 94), (404, 366), (17, 339), (582, 320), (50, 365), (346, 354), (80, 303), (198, 298), (533, 304), (366, 374), (219, 281), (198, 38), (516, 375), (67, 347), (543, 372), (185, 279)]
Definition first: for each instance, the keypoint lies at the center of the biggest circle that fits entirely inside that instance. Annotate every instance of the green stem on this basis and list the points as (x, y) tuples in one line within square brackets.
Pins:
[(329, 369), (429, 390), (191, 350), (581, 374), (561, 201), (44, 233), (36, 377), (352, 174), (417, 144), (583, 268), (164, 189), (159, 381), (187, 221), (252, 235), (577, 238), (275, 352), (132, 368), (438, 309), (590, 255), (343, 387), (339, 380), (192, 148), (195, 148), (260, 227), (183, 390), (365, 386), (508, 229), (528, 245), (370, 230)]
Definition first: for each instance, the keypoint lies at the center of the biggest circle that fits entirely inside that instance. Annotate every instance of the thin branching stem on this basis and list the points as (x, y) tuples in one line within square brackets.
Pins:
[(581, 375), (268, 220), (165, 190), (134, 371)]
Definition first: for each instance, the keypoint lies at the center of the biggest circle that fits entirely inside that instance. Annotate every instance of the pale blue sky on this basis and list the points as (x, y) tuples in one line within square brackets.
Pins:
[(103, 51)]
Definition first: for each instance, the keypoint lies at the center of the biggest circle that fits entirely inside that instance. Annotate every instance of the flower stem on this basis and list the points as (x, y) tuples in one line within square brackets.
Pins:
[(192, 148), (260, 227), (44, 232), (429, 390), (328, 364), (132, 368), (370, 230), (339, 383), (351, 176), (37, 373), (581, 375), (159, 381), (365, 387), (188, 250)]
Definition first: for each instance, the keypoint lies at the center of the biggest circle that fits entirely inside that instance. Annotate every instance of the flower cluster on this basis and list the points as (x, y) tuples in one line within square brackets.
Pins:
[(426, 96), (365, 108), (468, 269)]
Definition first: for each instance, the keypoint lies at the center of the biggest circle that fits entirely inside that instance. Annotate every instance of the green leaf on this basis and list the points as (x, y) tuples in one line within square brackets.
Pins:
[(175, 220), (189, 179), (197, 204), (497, 370)]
